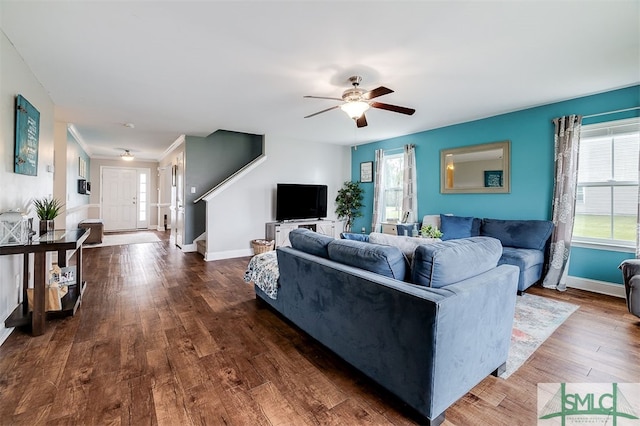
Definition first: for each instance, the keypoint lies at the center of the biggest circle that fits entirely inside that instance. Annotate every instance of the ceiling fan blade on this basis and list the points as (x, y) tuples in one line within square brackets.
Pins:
[(324, 110), (322, 97), (362, 121), (394, 108), (378, 91)]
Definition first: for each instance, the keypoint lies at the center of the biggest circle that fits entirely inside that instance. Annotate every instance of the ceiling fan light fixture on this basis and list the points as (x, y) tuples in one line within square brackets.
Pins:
[(127, 156), (355, 109)]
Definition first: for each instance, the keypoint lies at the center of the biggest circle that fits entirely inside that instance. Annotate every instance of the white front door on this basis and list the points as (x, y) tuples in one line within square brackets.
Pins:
[(119, 199)]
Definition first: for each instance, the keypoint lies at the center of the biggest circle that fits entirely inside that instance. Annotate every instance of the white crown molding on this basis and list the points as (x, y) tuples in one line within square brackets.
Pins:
[(78, 137), (173, 146)]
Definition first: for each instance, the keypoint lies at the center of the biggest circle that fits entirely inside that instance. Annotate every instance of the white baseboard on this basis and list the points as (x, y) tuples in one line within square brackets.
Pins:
[(595, 286), (229, 254), (4, 334)]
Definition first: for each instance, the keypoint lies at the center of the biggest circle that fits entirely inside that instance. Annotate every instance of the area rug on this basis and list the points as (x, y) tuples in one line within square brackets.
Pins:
[(125, 238), (535, 320)]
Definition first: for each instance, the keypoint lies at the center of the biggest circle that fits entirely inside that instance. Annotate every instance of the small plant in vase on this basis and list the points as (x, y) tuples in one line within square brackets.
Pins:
[(349, 203), (430, 231), (47, 209)]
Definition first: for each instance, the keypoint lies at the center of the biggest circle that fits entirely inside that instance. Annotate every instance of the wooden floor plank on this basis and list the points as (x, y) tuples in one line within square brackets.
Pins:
[(165, 338)]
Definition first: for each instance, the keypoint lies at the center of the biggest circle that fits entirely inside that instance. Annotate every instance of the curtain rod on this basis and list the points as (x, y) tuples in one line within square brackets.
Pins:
[(396, 149), (610, 112)]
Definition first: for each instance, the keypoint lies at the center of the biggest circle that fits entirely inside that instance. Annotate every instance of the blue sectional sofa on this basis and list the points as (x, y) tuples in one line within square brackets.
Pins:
[(428, 342), (524, 242)]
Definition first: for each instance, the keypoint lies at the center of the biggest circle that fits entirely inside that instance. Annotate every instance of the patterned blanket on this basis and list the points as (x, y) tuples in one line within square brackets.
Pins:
[(263, 271)]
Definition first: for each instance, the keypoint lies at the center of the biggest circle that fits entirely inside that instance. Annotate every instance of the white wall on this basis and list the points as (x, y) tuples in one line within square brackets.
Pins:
[(238, 215), (17, 191)]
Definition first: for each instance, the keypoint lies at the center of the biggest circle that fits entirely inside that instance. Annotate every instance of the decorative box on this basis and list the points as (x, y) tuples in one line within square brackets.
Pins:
[(14, 228)]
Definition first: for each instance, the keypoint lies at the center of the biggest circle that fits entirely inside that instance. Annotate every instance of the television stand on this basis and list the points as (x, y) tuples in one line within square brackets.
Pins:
[(311, 226), (279, 231)]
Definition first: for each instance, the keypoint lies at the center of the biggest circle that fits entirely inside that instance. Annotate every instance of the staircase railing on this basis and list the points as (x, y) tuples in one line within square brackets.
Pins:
[(226, 183)]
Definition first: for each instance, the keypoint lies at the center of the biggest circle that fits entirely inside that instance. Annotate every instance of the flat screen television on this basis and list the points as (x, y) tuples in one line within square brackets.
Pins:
[(300, 201)]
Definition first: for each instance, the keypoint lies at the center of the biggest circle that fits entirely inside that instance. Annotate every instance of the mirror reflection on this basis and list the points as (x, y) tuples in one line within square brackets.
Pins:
[(475, 169)]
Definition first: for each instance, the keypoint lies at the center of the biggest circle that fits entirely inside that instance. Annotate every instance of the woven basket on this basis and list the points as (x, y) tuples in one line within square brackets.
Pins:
[(262, 246)]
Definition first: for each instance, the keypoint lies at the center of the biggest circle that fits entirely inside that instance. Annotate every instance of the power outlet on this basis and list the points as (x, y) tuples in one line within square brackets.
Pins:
[(18, 280)]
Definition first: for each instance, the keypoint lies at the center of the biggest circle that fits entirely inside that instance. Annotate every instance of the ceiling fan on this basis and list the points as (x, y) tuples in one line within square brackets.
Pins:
[(357, 101)]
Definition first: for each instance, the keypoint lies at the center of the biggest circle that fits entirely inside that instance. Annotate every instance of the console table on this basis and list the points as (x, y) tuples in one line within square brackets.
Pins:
[(54, 241)]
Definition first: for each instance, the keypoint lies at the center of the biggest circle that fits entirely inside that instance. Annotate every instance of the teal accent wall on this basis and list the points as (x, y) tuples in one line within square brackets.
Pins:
[(74, 153), (208, 162), (531, 134)]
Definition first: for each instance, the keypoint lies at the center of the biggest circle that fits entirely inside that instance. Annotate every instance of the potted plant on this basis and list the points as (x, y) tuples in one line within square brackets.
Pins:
[(349, 203), (430, 231), (47, 210)]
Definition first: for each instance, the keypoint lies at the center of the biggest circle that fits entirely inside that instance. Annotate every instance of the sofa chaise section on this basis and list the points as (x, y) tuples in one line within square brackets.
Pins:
[(428, 346)]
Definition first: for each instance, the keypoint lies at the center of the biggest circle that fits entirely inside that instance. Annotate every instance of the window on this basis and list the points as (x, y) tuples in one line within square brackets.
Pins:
[(142, 199), (393, 170), (607, 193)]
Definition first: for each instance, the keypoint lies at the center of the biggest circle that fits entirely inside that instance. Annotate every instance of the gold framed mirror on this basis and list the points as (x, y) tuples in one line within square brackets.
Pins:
[(476, 169)]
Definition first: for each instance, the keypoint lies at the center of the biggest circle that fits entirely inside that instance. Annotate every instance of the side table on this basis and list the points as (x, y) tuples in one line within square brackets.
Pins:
[(54, 241)]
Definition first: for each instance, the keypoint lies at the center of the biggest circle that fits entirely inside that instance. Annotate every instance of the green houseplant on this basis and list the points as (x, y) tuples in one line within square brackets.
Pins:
[(47, 209), (430, 231), (349, 203)]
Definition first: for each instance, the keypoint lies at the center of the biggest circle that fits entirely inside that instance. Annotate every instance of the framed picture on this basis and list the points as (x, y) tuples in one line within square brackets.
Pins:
[(82, 167), (366, 171), (27, 138), (493, 179)]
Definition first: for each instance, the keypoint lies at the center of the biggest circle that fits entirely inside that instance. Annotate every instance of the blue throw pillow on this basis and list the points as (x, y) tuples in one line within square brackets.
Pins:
[(454, 227)]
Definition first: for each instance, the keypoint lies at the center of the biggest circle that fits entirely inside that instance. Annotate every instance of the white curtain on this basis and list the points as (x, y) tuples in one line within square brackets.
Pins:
[(378, 191), (409, 186), (566, 142), (638, 214)]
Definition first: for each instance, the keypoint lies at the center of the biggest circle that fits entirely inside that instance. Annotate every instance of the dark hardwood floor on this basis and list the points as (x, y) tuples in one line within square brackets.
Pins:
[(166, 338)]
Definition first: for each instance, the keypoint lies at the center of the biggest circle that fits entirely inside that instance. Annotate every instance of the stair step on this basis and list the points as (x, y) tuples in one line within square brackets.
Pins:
[(201, 246)]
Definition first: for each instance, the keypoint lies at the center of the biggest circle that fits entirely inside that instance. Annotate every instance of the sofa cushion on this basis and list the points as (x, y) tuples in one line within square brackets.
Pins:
[(448, 262), (407, 245), (454, 227), (383, 260), (522, 258), (354, 236), (528, 234), (310, 242)]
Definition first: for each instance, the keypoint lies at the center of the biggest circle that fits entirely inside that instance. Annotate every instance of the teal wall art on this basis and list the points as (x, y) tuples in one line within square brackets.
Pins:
[(27, 137)]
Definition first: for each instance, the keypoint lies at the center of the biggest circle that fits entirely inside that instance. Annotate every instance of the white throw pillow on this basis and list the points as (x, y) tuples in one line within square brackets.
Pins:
[(431, 219), (407, 245)]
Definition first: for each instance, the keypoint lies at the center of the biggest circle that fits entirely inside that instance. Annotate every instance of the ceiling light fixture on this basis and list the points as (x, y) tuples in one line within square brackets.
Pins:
[(129, 125), (355, 109), (127, 156)]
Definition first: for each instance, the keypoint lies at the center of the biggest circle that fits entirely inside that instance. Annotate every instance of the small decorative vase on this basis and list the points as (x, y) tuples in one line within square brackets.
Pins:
[(46, 226)]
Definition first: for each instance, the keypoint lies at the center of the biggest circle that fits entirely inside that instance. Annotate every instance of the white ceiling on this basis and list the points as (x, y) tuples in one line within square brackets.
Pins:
[(177, 67)]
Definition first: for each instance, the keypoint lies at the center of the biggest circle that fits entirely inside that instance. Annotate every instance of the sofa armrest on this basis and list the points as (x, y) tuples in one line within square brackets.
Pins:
[(631, 275), (474, 330)]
